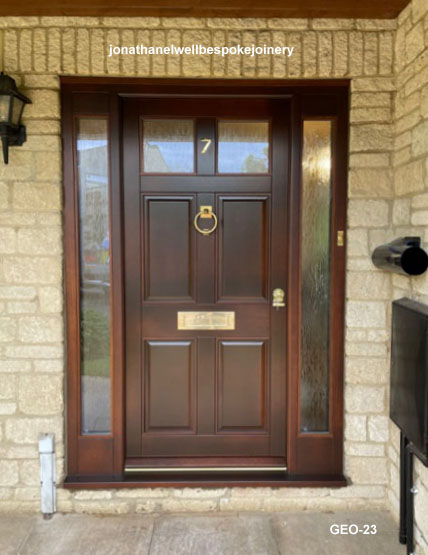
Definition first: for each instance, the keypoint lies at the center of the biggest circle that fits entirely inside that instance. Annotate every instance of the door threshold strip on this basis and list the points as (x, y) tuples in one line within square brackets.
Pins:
[(206, 469)]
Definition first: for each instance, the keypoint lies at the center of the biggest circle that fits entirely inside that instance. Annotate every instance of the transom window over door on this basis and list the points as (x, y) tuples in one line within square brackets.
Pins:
[(168, 145), (205, 268), (243, 146), (235, 146)]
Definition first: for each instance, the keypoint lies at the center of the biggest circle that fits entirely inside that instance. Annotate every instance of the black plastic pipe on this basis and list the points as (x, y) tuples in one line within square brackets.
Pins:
[(401, 256)]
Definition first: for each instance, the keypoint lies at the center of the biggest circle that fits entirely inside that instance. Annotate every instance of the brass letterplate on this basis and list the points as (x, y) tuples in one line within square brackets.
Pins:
[(205, 320)]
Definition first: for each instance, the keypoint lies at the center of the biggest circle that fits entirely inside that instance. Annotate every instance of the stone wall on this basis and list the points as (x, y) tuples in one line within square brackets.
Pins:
[(35, 51), (410, 208)]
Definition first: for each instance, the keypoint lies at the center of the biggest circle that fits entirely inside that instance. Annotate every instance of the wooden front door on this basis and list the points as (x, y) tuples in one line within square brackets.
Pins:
[(199, 369), (205, 348)]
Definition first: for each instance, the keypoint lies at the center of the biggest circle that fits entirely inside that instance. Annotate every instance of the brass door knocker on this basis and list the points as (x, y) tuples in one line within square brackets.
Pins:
[(205, 212)]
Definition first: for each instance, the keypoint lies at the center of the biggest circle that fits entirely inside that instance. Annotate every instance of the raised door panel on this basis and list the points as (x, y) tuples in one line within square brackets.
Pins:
[(170, 386), (243, 248), (168, 257), (242, 389)]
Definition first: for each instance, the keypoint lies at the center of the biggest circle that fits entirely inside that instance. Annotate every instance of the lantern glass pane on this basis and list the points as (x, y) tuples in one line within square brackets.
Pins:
[(17, 110), (4, 108)]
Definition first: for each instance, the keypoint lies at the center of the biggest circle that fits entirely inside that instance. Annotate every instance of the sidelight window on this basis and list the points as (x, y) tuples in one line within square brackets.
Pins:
[(315, 288), (94, 263)]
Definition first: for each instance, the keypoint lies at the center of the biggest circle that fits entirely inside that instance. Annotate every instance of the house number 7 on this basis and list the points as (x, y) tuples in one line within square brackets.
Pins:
[(206, 146)]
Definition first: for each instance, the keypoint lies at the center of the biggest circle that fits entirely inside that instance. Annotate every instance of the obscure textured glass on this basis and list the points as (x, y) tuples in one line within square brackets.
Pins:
[(94, 252), (243, 146), (316, 210), (168, 146)]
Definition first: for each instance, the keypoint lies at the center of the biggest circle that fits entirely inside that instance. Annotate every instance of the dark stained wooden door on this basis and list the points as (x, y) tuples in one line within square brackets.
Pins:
[(205, 397)]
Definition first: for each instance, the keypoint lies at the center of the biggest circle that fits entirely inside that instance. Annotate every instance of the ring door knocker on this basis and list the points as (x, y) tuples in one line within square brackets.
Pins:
[(205, 212)]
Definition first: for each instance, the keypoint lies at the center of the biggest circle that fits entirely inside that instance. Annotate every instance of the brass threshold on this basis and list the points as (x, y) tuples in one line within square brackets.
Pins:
[(207, 469)]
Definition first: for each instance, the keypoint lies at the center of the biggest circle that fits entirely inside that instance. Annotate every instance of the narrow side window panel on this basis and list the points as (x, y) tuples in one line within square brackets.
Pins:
[(93, 182), (316, 224)]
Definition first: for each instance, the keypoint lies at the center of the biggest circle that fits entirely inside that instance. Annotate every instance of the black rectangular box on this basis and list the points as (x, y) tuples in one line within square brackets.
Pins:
[(409, 371)]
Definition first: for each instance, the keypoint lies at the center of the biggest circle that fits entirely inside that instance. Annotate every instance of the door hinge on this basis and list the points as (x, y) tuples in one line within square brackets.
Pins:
[(340, 238)]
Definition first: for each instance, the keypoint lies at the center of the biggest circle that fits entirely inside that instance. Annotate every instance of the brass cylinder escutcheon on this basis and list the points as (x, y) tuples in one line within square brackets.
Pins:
[(205, 212), (278, 298)]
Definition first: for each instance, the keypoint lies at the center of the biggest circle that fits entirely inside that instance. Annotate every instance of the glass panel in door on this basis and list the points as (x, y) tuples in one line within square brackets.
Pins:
[(243, 146)]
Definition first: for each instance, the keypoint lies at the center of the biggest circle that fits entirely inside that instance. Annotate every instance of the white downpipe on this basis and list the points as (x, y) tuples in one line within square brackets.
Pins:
[(47, 474)]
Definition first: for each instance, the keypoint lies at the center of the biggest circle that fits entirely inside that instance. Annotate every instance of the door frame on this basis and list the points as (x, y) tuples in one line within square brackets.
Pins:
[(98, 460)]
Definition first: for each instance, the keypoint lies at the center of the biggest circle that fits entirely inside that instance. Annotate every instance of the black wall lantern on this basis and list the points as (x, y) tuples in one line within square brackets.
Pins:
[(12, 104)]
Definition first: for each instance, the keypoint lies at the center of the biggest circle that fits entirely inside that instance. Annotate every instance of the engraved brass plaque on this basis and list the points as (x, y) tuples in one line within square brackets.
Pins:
[(205, 320)]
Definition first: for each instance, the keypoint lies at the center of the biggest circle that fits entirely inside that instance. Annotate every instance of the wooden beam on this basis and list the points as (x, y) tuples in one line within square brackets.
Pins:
[(367, 9)]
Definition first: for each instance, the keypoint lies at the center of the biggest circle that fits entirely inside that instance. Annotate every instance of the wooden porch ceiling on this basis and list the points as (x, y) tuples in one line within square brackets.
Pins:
[(367, 9)]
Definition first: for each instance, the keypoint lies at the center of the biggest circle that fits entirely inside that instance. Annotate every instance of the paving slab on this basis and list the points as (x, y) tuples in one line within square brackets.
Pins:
[(14, 531), (213, 534), (282, 533), (306, 533), (90, 535)]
